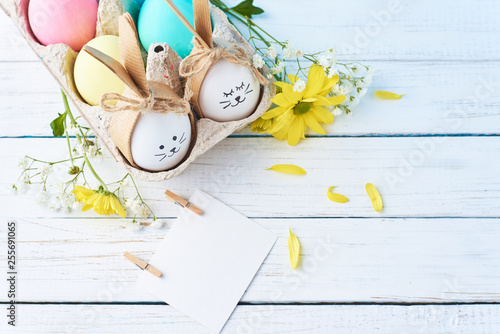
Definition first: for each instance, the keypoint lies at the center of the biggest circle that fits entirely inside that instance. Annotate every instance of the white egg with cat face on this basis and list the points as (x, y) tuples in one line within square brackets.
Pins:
[(229, 92), (160, 141)]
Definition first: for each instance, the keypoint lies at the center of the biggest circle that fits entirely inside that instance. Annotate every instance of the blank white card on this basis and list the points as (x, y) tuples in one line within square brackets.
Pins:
[(208, 261)]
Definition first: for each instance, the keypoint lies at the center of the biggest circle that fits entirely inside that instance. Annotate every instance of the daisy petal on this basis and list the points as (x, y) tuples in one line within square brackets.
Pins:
[(293, 78), (322, 114), (281, 100), (271, 113), (313, 124), (315, 80), (295, 132)]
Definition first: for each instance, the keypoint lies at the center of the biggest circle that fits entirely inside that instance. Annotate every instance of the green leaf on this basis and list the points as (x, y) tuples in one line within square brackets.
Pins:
[(246, 8), (59, 125)]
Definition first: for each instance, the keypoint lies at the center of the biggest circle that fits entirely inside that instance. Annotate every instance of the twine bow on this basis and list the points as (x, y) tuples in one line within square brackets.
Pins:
[(202, 57), (150, 103)]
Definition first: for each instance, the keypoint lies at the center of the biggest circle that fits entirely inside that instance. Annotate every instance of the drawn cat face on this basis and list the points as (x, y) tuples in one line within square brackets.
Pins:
[(160, 141), (236, 96), (229, 92)]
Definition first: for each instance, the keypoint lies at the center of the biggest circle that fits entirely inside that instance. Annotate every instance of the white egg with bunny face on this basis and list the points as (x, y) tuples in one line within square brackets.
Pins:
[(160, 141), (229, 92)]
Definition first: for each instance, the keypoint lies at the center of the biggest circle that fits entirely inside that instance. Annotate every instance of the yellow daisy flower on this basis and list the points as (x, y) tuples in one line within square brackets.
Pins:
[(296, 111), (102, 201), (261, 125)]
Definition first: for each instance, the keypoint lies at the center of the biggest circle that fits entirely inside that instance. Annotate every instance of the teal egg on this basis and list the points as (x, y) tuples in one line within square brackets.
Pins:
[(139, 2), (133, 8), (158, 24)]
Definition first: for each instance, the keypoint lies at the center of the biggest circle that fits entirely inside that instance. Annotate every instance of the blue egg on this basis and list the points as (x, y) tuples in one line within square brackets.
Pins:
[(131, 7), (158, 24)]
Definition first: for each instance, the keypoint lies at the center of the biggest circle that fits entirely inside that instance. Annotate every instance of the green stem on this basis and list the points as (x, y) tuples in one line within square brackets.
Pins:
[(67, 109), (94, 172), (69, 149), (54, 162), (140, 197)]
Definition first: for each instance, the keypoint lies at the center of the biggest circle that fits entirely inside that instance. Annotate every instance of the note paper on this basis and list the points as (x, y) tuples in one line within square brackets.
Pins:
[(208, 261)]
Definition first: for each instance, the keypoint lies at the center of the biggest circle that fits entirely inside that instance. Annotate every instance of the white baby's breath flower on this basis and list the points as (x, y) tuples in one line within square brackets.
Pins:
[(258, 62), (55, 205), (356, 70), (288, 43), (299, 85), (367, 80), (336, 89), (287, 53), (337, 111), (77, 206), (134, 227), (331, 53), (42, 197), (44, 170), (332, 71), (144, 212), (278, 67), (324, 62), (157, 224), (271, 52), (72, 130), (25, 179), (298, 52), (133, 204), (124, 184), (346, 87), (351, 101), (13, 189), (66, 200), (362, 92), (92, 151), (269, 76), (22, 187), (23, 163), (82, 149)]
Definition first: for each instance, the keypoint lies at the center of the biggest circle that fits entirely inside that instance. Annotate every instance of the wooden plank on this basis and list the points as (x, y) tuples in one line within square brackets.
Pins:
[(392, 29), (452, 97), (261, 319), (417, 177), (342, 260)]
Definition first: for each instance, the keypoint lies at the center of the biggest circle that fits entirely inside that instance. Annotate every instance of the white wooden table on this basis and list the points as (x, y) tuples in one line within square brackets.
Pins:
[(429, 263)]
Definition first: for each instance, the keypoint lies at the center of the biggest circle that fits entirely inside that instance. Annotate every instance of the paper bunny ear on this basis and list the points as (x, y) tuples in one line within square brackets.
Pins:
[(115, 67), (203, 31), (130, 52)]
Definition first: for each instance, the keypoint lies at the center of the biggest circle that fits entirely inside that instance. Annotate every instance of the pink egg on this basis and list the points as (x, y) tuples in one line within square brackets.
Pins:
[(72, 22)]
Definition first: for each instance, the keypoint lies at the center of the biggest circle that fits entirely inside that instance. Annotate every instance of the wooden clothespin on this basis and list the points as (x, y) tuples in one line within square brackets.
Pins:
[(182, 202), (141, 264)]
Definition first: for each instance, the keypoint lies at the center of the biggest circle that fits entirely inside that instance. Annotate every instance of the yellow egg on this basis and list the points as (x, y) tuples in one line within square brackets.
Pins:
[(92, 78)]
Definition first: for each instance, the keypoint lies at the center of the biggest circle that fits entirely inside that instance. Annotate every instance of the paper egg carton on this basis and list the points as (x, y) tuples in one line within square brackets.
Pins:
[(162, 66)]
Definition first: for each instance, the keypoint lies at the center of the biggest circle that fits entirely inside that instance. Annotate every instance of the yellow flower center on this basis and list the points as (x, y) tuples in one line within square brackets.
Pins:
[(302, 107)]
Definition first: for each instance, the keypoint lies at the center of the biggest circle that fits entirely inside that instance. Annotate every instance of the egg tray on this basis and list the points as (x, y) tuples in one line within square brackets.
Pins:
[(162, 66)]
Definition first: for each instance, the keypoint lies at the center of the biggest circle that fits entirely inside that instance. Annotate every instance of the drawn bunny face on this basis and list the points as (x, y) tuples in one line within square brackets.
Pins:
[(160, 141), (229, 92)]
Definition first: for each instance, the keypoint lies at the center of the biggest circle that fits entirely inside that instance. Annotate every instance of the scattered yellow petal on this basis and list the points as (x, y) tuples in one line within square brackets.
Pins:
[(374, 196), (288, 169), (337, 198), (293, 249), (388, 95)]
